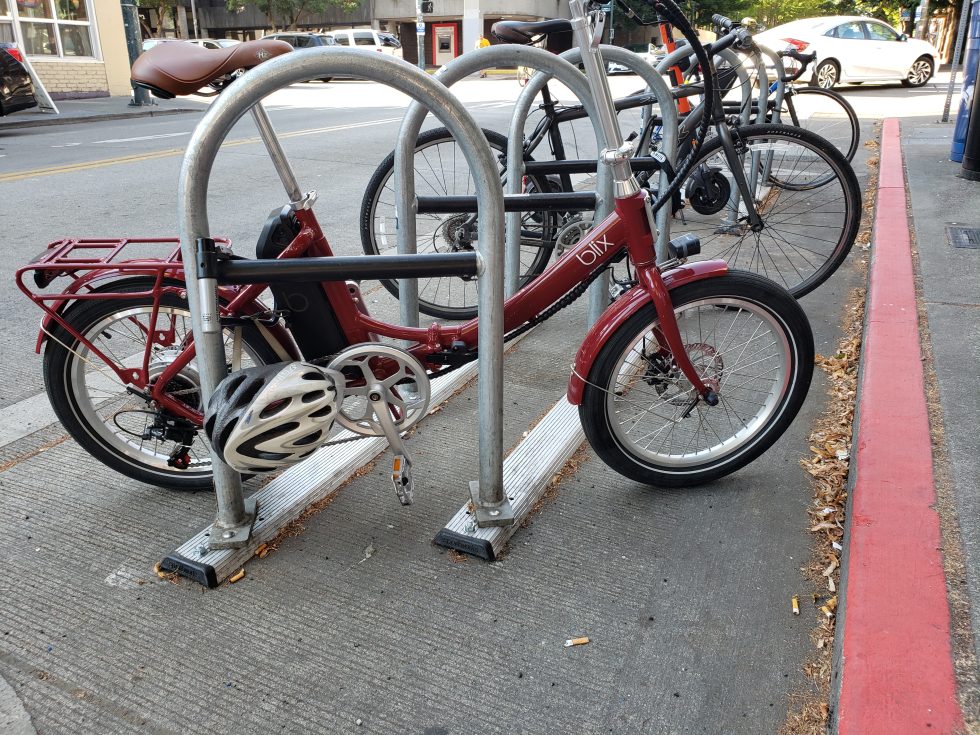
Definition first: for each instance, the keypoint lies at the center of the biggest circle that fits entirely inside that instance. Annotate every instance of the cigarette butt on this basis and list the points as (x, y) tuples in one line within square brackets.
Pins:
[(262, 551), (830, 584), (826, 611), (159, 572), (237, 576), (796, 605), (832, 603), (576, 641)]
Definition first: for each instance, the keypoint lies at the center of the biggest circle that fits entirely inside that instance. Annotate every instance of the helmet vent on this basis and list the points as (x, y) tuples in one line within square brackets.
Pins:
[(320, 413), (313, 395), (309, 438), (275, 407)]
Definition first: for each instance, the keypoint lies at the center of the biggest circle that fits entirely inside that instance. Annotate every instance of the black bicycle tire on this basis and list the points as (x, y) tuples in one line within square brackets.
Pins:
[(848, 110), (849, 183), (367, 217), (744, 286), (56, 371)]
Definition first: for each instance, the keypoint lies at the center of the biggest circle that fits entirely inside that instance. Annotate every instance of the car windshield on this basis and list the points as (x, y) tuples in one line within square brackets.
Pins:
[(389, 41)]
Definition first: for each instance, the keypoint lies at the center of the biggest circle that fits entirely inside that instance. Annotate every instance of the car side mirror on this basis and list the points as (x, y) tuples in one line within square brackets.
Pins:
[(903, 37)]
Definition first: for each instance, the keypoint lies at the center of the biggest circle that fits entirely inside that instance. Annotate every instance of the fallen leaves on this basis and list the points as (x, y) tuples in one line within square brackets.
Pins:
[(828, 465)]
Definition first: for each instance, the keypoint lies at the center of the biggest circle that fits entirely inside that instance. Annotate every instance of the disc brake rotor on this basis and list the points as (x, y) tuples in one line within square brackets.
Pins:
[(671, 384)]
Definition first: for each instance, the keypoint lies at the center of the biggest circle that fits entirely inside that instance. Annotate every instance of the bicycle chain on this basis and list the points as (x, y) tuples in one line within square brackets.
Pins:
[(566, 300)]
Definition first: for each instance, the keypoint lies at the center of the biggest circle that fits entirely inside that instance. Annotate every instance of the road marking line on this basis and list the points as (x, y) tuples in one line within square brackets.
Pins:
[(168, 152)]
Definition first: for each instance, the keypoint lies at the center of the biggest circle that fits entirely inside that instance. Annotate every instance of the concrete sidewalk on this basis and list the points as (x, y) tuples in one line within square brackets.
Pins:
[(906, 642), (96, 109)]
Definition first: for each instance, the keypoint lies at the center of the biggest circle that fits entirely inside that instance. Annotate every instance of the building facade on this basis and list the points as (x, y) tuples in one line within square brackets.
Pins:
[(454, 26), (77, 47)]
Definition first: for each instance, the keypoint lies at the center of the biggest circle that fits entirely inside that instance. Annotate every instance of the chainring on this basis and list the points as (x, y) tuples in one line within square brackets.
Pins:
[(398, 374)]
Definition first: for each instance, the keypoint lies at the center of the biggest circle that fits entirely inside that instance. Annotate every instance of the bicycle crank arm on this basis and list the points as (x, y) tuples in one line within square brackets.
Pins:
[(401, 467)]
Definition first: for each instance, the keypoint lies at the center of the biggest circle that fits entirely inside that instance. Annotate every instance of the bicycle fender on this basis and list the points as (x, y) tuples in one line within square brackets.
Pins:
[(624, 308)]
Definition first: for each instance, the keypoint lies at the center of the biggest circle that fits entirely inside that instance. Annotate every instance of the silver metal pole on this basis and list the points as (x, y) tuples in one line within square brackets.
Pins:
[(420, 37), (276, 153), (960, 36), (197, 28), (599, 291), (492, 506), (234, 102)]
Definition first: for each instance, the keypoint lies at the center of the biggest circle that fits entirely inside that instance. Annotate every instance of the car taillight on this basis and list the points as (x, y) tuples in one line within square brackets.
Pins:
[(796, 43), (15, 52)]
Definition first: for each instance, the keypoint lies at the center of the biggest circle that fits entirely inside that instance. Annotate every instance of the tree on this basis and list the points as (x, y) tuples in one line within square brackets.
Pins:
[(289, 12), (775, 12)]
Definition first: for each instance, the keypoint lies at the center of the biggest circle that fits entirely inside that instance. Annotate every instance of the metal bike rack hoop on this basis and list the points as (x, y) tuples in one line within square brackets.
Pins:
[(492, 505), (234, 518)]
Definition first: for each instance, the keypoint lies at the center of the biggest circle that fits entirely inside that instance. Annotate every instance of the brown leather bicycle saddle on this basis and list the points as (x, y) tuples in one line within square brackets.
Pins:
[(178, 68), (524, 31)]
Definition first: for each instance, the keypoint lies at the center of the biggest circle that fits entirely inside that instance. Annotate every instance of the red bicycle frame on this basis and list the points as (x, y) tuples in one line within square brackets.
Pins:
[(626, 228)]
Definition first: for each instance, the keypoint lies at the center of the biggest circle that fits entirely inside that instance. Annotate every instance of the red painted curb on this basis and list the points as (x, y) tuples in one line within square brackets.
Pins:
[(896, 670)]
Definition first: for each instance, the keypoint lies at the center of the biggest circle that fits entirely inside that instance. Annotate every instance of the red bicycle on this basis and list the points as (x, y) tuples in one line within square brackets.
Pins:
[(689, 375)]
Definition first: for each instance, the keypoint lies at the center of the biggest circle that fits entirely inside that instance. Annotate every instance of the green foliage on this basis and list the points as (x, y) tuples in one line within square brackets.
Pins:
[(287, 13), (775, 12)]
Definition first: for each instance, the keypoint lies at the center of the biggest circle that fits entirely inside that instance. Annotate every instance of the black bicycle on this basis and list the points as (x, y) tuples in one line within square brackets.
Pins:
[(775, 199)]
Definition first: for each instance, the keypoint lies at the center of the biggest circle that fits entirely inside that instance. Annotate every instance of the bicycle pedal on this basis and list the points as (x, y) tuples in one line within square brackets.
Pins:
[(401, 478)]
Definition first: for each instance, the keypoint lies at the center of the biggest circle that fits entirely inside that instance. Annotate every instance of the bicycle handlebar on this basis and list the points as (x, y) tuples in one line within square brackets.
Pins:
[(804, 60), (722, 22)]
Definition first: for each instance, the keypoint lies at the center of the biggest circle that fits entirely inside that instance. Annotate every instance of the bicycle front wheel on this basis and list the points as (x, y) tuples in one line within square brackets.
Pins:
[(826, 113), (804, 191), (441, 170), (749, 340)]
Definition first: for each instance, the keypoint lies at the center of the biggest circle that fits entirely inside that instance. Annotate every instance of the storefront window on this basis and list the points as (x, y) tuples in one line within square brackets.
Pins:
[(75, 40), (72, 10), (49, 27), (34, 8), (39, 39), (6, 26)]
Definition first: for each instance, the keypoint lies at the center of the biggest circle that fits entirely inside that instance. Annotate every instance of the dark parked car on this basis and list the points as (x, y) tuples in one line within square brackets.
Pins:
[(305, 40), (16, 88)]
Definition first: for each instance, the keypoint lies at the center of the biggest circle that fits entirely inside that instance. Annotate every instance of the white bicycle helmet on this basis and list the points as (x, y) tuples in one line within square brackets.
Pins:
[(265, 418)]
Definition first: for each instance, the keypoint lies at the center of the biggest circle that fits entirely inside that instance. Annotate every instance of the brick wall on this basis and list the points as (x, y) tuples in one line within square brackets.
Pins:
[(73, 80)]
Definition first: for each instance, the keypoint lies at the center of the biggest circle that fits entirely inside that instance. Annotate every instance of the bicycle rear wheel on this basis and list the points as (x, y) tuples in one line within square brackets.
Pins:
[(826, 113), (117, 425), (441, 170), (804, 191)]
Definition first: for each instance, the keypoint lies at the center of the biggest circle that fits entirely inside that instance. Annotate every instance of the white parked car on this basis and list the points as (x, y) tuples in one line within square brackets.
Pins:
[(368, 38), (854, 49)]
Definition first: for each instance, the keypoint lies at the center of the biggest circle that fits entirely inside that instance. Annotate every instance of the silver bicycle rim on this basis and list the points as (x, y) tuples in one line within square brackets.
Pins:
[(827, 76), (440, 170), (822, 115), (103, 400), (736, 344)]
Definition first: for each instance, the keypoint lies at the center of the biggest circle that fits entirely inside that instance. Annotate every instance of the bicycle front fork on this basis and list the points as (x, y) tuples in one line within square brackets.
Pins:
[(668, 334)]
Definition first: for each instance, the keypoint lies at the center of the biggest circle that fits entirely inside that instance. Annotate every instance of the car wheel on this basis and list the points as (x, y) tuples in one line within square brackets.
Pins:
[(920, 73), (826, 75)]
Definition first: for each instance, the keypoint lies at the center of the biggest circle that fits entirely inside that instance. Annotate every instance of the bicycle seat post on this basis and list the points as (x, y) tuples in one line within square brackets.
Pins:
[(616, 152)]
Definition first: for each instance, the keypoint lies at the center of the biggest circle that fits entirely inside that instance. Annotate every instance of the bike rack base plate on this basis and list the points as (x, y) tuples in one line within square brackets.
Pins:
[(292, 492), (528, 471)]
